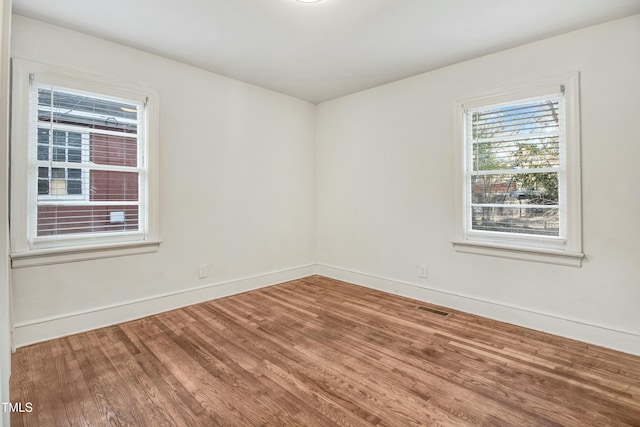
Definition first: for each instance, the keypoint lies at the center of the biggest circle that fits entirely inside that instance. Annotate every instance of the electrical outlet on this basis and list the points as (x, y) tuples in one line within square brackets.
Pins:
[(424, 272), (202, 271)]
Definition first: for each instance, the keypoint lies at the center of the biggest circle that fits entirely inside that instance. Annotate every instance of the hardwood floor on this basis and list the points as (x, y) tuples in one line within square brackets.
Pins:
[(318, 352)]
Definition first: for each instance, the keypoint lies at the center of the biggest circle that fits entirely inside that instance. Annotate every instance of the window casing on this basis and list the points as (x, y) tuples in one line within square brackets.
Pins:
[(517, 180), (84, 156)]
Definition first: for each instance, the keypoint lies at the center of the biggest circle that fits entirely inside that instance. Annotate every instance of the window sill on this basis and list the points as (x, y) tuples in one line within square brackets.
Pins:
[(549, 256), (63, 255)]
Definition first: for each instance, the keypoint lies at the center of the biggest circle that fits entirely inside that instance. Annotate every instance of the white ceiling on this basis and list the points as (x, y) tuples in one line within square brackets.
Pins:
[(321, 51)]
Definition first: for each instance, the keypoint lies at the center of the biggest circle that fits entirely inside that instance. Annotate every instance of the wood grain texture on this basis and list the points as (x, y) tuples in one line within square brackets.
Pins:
[(319, 352)]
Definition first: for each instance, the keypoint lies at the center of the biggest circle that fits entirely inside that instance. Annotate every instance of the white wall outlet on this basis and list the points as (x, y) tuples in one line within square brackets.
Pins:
[(203, 271), (424, 272)]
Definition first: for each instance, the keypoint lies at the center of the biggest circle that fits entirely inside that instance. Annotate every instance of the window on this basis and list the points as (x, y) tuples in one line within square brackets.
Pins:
[(100, 137), (59, 147), (85, 155), (518, 183)]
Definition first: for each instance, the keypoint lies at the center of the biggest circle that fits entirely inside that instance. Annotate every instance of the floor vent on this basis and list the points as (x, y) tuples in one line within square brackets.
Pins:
[(433, 310)]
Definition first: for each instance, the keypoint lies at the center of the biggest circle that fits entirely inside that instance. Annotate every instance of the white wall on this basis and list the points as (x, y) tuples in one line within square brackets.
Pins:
[(384, 161), (236, 193), (5, 297)]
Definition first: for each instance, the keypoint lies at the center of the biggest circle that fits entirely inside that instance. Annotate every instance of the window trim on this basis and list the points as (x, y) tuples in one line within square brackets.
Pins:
[(567, 251), (74, 249)]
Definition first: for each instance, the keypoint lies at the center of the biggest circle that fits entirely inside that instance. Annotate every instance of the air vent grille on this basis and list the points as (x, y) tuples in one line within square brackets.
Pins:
[(433, 310)]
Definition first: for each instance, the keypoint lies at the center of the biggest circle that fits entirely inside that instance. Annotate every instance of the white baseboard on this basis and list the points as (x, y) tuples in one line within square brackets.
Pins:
[(625, 341), (38, 330)]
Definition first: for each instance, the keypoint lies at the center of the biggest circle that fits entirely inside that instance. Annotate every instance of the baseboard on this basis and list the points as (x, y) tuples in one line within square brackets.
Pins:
[(625, 341), (38, 330)]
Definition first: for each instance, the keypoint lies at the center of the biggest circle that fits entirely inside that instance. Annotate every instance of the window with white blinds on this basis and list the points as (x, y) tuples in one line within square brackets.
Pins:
[(513, 177), (84, 175), (517, 172), (88, 155)]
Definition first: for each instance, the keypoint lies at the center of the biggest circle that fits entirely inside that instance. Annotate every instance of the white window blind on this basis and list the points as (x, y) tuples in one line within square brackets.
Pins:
[(514, 167), (88, 163)]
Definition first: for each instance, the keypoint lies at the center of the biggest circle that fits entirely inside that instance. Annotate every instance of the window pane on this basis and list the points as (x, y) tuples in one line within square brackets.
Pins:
[(75, 155), (519, 119), (86, 110), (58, 173), (517, 219), (57, 220), (517, 154), (114, 186), (43, 186), (43, 181), (43, 152), (59, 154), (59, 138), (528, 188), (44, 101), (43, 136), (58, 187), (74, 182), (43, 144), (74, 187), (114, 150), (74, 173), (74, 139)]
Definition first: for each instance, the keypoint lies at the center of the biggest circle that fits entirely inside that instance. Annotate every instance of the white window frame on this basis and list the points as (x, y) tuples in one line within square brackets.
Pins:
[(563, 250), (28, 250)]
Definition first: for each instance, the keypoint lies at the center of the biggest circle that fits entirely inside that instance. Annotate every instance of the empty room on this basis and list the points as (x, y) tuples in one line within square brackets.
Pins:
[(319, 213)]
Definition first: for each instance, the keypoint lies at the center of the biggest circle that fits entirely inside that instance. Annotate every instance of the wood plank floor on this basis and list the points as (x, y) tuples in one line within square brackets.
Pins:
[(318, 352)]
